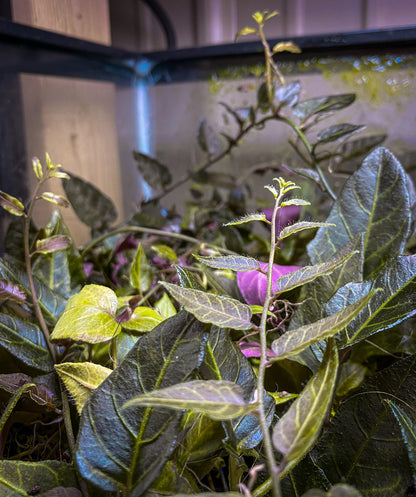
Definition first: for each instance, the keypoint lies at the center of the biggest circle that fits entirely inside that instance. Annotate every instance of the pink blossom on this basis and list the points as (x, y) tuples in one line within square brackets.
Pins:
[(253, 284)]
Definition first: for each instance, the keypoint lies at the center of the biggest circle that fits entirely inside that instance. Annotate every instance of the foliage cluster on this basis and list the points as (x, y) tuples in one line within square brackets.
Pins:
[(225, 352)]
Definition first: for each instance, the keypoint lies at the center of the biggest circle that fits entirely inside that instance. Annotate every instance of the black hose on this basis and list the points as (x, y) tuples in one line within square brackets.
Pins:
[(164, 21)]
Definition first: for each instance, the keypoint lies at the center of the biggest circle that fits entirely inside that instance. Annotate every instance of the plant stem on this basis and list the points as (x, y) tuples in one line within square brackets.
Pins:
[(29, 273), (271, 463), (150, 231)]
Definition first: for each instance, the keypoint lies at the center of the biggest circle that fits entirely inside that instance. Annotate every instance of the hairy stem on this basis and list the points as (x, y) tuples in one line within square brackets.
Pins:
[(28, 264), (267, 441)]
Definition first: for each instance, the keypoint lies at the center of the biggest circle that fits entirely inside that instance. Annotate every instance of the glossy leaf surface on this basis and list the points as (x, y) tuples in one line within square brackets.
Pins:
[(19, 477), (220, 400), (233, 262), (306, 274), (394, 302), (91, 206), (289, 94), (298, 429), (318, 105), (90, 316), (210, 308), (25, 341), (374, 201), (81, 378), (293, 342), (125, 450), (363, 445), (337, 131), (225, 362)]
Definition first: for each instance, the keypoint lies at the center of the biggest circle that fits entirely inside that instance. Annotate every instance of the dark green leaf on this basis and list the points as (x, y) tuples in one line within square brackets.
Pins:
[(363, 444), (224, 361), (25, 341), (19, 477), (187, 279), (210, 308), (207, 139), (293, 342), (374, 201), (337, 131), (394, 303), (6, 412), (318, 105), (298, 429), (340, 490), (125, 450), (408, 427), (62, 492), (155, 174), (91, 206), (234, 262), (217, 399), (353, 149), (351, 376), (263, 98)]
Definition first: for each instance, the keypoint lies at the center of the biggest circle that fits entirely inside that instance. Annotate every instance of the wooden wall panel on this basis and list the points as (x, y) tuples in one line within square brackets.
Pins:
[(73, 120)]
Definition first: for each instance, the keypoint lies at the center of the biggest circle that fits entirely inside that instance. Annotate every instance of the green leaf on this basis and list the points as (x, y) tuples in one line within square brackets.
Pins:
[(81, 378), (220, 400), (89, 316), (224, 361), (318, 105), (303, 225), (19, 477), (255, 216), (293, 342), (337, 131), (307, 274), (207, 139), (187, 279), (60, 271), (286, 46), (165, 307), (125, 450), (25, 341), (394, 303), (143, 319), (354, 149), (37, 168), (140, 273), (55, 199), (6, 411), (408, 428), (11, 204), (91, 206), (210, 308), (298, 429), (374, 201), (165, 252), (363, 445), (62, 492), (289, 94), (52, 244), (294, 201), (51, 302), (245, 31), (351, 377), (340, 490), (234, 262), (156, 174)]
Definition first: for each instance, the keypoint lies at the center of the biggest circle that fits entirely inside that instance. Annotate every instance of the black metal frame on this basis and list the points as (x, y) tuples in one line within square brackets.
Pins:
[(31, 50)]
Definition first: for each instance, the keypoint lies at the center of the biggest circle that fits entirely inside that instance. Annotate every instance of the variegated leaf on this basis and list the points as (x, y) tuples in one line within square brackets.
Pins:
[(303, 225), (307, 274), (208, 308), (298, 429), (293, 342), (220, 400), (255, 216), (234, 262)]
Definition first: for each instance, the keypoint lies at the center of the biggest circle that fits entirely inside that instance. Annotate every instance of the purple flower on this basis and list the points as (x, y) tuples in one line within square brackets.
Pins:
[(252, 349), (253, 284), (285, 216)]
